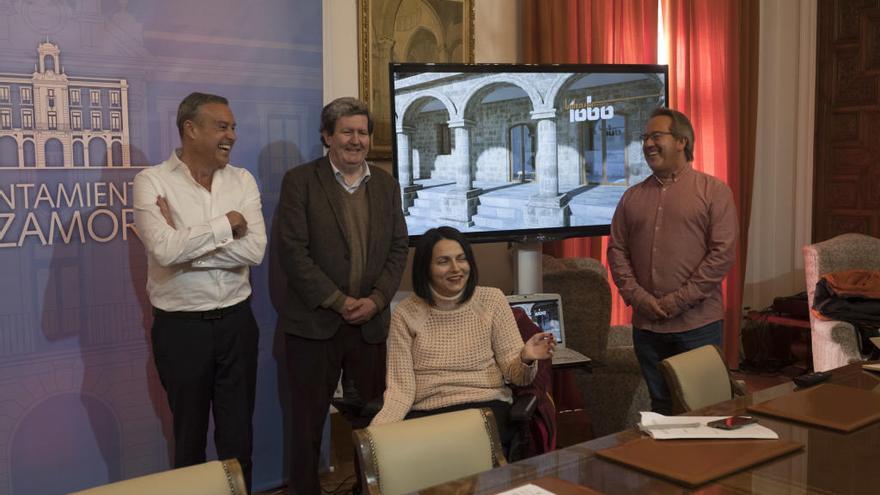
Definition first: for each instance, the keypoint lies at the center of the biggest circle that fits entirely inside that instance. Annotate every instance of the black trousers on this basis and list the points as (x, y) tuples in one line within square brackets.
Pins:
[(313, 368), (208, 362)]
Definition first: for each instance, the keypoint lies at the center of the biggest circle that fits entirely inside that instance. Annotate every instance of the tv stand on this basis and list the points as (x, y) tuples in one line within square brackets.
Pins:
[(529, 271)]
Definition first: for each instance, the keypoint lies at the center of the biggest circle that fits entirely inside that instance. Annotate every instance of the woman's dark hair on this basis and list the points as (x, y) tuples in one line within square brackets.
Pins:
[(421, 268)]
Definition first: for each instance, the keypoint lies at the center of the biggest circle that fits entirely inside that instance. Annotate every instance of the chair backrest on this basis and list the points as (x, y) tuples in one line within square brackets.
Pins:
[(836, 343), (410, 455), (586, 302), (844, 252), (210, 478), (697, 378)]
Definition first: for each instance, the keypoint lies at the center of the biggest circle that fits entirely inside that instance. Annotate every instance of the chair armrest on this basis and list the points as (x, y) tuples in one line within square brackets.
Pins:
[(372, 408), (348, 408), (523, 408), (841, 332), (357, 409), (835, 343)]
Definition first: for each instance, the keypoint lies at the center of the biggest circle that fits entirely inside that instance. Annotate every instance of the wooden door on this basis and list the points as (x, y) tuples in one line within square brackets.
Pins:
[(846, 177)]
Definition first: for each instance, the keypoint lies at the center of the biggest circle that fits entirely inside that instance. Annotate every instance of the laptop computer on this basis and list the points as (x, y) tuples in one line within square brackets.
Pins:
[(545, 310)]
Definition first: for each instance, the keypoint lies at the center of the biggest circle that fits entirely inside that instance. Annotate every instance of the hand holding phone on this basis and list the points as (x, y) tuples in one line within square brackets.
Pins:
[(732, 423)]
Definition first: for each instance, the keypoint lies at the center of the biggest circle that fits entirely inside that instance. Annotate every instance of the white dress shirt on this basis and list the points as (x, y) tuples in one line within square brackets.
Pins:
[(197, 265), (351, 188)]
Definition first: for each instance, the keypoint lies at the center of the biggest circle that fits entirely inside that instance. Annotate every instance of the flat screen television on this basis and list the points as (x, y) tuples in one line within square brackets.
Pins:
[(509, 152)]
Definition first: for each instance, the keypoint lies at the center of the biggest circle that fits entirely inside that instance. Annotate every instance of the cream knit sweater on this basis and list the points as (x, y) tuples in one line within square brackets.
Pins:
[(440, 358)]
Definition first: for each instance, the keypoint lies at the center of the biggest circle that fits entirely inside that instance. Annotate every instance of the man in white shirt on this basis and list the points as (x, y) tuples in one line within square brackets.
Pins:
[(201, 223)]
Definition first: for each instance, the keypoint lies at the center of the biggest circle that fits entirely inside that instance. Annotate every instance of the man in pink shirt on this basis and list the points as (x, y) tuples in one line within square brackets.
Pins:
[(673, 239)]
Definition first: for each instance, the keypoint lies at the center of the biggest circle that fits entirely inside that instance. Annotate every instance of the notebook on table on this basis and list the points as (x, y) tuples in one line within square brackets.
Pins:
[(696, 462), (545, 310), (830, 405)]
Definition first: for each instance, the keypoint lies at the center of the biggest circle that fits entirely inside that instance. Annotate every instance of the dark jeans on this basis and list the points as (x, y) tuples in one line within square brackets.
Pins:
[(313, 369), (209, 365), (653, 347)]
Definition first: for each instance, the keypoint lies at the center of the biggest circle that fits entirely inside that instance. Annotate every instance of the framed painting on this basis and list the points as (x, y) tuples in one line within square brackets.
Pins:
[(406, 31)]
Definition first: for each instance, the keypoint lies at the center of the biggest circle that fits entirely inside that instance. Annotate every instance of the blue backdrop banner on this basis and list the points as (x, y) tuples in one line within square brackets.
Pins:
[(88, 96)]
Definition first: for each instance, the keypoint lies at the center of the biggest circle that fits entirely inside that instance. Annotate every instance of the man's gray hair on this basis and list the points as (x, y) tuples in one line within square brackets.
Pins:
[(189, 107), (343, 107)]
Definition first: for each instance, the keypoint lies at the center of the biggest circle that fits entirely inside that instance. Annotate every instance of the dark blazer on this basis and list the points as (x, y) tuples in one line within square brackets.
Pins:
[(314, 251)]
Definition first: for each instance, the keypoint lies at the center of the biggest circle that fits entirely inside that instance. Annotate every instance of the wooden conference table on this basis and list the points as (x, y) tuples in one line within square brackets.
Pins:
[(831, 462)]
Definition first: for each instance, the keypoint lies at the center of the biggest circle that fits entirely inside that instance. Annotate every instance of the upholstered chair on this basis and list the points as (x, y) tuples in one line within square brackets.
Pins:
[(614, 392), (834, 342), (699, 378), (414, 454), (210, 478)]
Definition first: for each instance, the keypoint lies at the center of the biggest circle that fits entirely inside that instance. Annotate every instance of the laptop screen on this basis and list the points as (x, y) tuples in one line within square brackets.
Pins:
[(544, 310)]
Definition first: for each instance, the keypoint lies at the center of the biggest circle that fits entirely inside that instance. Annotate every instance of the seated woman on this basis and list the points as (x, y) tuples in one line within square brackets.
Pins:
[(453, 345)]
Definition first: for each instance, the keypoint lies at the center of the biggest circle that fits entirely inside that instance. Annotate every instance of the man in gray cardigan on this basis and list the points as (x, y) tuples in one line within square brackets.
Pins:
[(343, 247)]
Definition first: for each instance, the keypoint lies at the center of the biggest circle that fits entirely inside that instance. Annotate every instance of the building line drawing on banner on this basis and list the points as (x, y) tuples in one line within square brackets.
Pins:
[(50, 119)]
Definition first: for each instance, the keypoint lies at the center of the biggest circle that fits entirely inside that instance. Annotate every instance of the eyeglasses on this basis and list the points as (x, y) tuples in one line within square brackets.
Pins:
[(654, 136)]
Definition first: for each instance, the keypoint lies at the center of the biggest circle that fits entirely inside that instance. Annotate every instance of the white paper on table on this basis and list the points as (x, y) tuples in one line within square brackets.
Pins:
[(665, 428), (527, 489)]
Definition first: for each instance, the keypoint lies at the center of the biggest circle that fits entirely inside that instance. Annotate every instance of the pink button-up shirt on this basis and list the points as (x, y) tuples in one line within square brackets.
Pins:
[(674, 242)]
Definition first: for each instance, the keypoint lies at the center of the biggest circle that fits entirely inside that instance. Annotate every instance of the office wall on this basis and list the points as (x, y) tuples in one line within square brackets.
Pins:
[(340, 49)]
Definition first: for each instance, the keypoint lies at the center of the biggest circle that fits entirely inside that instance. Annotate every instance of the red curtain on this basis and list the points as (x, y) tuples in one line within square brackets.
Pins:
[(713, 79), (591, 31)]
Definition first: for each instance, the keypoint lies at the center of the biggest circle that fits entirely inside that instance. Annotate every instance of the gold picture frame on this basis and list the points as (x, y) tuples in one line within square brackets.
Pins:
[(406, 31)]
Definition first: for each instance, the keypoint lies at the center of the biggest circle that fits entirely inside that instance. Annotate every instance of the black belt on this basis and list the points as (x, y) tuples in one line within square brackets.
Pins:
[(214, 314)]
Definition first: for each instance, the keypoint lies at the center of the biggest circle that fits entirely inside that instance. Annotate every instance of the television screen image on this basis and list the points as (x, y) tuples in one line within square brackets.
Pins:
[(520, 152)]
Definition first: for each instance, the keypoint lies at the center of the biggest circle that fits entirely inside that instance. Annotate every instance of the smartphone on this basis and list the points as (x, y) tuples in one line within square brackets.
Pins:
[(732, 422)]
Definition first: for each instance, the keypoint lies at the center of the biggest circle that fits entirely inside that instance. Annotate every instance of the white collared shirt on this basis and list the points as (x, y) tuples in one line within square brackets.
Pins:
[(197, 265), (350, 189)]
